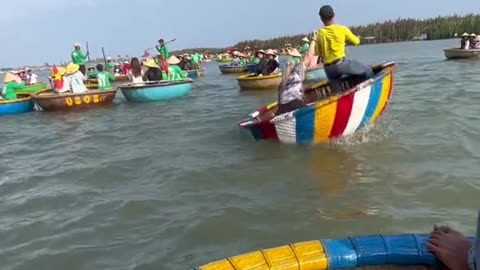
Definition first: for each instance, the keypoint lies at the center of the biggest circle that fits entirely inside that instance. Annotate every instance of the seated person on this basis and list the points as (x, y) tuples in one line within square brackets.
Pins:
[(475, 43), (73, 79), (331, 48), (117, 69), (31, 77), (126, 67), (463, 40), (153, 72), (296, 56), (174, 71), (11, 84), (235, 59), (104, 79), (273, 64), (256, 59), (92, 73), (136, 71), (262, 67), (185, 63), (243, 60)]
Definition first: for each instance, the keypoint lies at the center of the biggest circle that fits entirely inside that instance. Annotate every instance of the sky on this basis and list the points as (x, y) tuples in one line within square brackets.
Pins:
[(44, 31)]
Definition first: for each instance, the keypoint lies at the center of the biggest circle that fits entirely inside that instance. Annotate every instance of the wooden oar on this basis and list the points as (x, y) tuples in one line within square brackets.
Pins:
[(104, 58), (88, 53), (170, 41)]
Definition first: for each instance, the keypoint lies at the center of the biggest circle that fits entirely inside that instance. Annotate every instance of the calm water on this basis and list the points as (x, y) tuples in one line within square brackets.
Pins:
[(175, 185)]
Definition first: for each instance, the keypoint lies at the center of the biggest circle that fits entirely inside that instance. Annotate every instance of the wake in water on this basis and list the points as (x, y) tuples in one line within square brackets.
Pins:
[(375, 132)]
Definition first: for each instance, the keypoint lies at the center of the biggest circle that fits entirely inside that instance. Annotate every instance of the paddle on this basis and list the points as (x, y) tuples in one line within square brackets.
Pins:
[(88, 53), (170, 41), (104, 58)]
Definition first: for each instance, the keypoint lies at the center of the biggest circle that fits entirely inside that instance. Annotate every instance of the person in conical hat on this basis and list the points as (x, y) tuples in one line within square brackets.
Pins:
[(296, 56), (235, 59), (175, 73), (475, 44), (74, 77), (243, 60), (463, 41), (153, 73), (11, 84), (305, 46), (259, 54)]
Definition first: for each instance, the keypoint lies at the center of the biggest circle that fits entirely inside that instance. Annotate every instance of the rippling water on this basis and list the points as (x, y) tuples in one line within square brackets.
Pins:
[(175, 185)]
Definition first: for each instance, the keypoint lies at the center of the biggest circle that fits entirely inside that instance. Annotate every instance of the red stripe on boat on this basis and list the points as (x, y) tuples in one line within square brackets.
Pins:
[(344, 108), (268, 131)]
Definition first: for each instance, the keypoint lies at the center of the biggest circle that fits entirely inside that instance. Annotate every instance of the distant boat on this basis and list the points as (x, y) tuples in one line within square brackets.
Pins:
[(252, 82), (456, 53), (156, 91), (51, 101)]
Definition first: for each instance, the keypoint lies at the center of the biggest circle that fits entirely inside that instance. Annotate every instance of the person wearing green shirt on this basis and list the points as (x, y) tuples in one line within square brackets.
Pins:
[(79, 58), (243, 61), (92, 73), (175, 73), (305, 46), (195, 60), (110, 65), (296, 56), (162, 48), (12, 84), (104, 79)]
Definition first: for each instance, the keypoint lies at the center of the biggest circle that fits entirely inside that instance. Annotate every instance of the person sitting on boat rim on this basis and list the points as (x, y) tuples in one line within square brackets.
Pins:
[(11, 84), (31, 78), (463, 41), (162, 48), (153, 72), (136, 72), (305, 46), (175, 73), (74, 79), (273, 63), (291, 91), (92, 73), (330, 47), (78, 58), (453, 249), (104, 79), (296, 56)]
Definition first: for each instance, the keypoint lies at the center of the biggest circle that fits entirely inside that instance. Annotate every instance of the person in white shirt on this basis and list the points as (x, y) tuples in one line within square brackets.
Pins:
[(32, 78)]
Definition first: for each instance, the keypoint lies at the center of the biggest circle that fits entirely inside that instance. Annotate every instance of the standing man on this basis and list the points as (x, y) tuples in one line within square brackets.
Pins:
[(330, 47), (78, 58), (162, 48)]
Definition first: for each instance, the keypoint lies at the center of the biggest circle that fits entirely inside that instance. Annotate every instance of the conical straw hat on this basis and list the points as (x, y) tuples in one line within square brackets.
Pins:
[(173, 60), (305, 39), (294, 53), (9, 77)]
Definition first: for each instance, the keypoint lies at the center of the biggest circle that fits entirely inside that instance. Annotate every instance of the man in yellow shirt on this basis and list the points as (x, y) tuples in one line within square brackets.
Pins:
[(331, 41)]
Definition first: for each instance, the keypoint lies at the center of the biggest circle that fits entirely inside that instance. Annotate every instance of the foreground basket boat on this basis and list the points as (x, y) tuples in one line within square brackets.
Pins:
[(52, 101), (193, 74), (455, 53), (382, 251), (31, 89), (327, 116), (314, 76), (23, 104), (252, 82), (228, 69), (156, 91)]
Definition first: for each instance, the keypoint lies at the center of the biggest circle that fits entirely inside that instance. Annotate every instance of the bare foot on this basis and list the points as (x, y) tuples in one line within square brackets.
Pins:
[(450, 247)]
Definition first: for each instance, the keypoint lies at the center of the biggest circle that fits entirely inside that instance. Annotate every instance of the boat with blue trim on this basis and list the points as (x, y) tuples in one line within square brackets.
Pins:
[(156, 91), (22, 104)]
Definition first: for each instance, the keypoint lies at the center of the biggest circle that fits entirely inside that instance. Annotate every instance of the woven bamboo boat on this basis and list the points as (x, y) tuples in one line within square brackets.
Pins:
[(23, 103), (121, 78), (380, 251), (228, 69), (33, 88), (51, 101), (252, 82), (455, 53), (327, 116), (225, 60), (156, 91)]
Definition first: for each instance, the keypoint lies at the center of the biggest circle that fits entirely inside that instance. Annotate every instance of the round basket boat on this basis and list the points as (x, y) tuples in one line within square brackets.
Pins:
[(252, 82), (379, 251), (156, 91), (455, 53), (228, 69), (51, 101), (328, 115), (23, 103), (121, 78), (33, 88), (226, 60)]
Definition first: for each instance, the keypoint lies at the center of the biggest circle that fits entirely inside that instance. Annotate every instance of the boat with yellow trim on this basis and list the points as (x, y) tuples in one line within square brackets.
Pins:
[(252, 82)]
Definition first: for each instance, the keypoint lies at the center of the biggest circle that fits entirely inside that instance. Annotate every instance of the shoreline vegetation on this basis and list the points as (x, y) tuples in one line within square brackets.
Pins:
[(399, 30)]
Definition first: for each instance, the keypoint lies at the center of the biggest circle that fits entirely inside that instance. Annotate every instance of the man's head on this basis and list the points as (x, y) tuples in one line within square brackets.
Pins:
[(100, 67), (161, 42), (327, 14), (77, 46)]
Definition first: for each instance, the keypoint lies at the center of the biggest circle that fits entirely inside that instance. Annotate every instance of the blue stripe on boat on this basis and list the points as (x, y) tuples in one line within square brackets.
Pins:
[(401, 249), (304, 126), (340, 253), (16, 107), (375, 95), (371, 250)]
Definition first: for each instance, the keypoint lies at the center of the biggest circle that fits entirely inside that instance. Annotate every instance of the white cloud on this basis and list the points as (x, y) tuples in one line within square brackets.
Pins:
[(18, 10)]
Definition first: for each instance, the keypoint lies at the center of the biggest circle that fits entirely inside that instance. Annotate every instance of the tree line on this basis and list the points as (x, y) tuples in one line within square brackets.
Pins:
[(401, 29)]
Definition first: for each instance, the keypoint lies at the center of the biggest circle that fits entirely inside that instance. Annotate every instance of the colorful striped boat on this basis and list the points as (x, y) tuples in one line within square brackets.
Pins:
[(156, 91), (22, 104), (252, 82), (327, 116), (51, 101), (228, 69), (314, 76), (383, 251), (33, 88), (193, 74), (252, 68)]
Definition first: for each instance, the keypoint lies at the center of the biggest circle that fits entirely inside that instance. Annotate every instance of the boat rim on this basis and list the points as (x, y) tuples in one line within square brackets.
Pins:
[(17, 100), (135, 86), (461, 50), (249, 77), (62, 95)]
